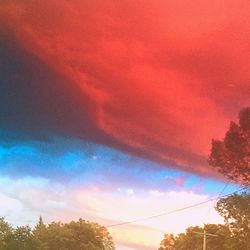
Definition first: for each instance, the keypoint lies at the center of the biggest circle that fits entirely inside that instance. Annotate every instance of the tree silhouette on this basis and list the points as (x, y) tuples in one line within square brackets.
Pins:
[(231, 156), (236, 212)]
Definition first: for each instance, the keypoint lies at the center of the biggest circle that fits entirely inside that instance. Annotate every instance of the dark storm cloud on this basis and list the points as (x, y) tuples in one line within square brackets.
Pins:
[(155, 79)]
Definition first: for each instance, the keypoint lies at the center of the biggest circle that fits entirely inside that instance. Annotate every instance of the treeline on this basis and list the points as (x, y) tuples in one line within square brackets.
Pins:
[(234, 235), (76, 235)]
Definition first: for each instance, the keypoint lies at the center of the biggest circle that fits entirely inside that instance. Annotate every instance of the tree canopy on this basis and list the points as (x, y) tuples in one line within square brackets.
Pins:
[(231, 155), (190, 240), (76, 235), (236, 212)]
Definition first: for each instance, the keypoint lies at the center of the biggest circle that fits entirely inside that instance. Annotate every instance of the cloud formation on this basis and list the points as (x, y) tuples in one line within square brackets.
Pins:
[(154, 79), (23, 200)]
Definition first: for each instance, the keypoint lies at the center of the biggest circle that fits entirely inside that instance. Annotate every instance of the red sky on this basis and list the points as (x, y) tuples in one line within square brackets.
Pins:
[(158, 79)]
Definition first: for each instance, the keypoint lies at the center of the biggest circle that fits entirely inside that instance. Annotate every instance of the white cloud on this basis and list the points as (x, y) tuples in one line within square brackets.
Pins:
[(155, 193), (130, 191), (25, 199)]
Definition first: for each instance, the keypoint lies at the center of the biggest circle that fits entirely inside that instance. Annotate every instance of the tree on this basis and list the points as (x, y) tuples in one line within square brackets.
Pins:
[(102, 234), (231, 156), (236, 212), (76, 235), (223, 241), (193, 241), (6, 232), (40, 234), (168, 242), (84, 235), (22, 239)]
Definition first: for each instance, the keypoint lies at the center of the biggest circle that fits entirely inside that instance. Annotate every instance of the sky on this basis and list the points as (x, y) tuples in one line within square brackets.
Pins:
[(108, 109)]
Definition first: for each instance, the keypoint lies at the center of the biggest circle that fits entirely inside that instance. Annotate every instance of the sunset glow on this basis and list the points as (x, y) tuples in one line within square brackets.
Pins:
[(108, 109)]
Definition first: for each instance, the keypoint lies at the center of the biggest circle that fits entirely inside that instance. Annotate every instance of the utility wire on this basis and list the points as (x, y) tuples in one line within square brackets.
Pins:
[(156, 215), (171, 211), (218, 197)]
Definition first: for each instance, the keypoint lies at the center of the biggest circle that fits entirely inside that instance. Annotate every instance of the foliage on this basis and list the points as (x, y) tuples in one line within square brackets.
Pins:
[(234, 235), (236, 211), (193, 241), (168, 242), (232, 154), (76, 235), (5, 234)]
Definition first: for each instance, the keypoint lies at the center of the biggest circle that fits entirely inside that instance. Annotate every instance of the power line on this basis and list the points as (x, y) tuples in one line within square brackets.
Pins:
[(171, 212), (156, 215), (218, 197)]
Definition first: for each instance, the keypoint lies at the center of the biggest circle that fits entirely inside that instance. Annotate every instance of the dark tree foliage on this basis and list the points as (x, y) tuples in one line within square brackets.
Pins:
[(76, 235), (236, 212), (231, 156)]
